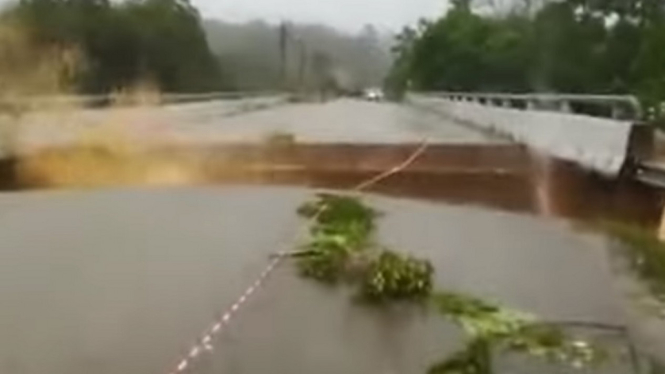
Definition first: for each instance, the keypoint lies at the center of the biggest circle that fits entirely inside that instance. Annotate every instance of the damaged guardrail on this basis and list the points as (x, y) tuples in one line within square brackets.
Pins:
[(597, 144)]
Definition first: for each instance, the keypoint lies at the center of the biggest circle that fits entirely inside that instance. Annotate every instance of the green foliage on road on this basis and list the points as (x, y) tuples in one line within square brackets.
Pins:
[(569, 46), (490, 327), (341, 217), (393, 276), (341, 247)]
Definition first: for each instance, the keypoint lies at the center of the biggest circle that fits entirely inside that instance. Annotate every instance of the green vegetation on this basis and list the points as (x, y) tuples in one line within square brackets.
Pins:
[(166, 44), (392, 276), (570, 46), (344, 217), (490, 326), (342, 246), (645, 254), (125, 43)]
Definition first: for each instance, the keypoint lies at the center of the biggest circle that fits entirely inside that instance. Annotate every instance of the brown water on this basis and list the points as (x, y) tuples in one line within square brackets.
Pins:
[(503, 176), (334, 144), (123, 277)]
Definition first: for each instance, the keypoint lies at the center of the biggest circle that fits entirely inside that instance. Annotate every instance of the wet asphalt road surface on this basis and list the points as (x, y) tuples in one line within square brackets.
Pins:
[(122, 281), (338, 121)]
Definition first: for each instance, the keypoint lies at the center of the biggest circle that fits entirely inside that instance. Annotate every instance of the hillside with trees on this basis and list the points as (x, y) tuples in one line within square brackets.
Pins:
[(121, 43), (571, 46), (167, 45)]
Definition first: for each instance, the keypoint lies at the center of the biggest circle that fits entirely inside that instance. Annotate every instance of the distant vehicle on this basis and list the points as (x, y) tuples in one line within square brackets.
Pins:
[(373, 94)]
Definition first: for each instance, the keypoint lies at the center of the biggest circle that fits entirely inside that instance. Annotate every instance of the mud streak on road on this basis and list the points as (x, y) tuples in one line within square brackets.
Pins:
[(503, 176)]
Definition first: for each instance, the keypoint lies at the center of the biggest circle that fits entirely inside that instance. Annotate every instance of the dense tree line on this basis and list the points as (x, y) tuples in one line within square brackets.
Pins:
[(165, 43), (122, 43), (573, 46)]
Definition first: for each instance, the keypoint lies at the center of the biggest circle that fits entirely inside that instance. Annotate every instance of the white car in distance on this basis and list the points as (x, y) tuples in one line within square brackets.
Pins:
[(373, 94)]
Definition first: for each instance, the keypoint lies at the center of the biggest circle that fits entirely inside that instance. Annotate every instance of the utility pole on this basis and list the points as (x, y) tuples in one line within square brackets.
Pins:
[(283, 35), (303, 64)]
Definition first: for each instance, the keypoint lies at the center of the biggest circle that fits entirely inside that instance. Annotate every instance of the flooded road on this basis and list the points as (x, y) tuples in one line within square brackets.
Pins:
[(333, 144), (124, 278), (498, 175), (122, 281), (338, 121)]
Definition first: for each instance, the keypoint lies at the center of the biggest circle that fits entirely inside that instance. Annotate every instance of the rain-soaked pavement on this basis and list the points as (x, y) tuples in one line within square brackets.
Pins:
[(123, 280), (338, 121), (332, 144)]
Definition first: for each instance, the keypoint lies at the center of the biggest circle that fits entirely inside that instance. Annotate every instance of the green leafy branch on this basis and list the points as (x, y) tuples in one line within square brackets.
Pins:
[(488, 326), (341, 246), (392, 276)]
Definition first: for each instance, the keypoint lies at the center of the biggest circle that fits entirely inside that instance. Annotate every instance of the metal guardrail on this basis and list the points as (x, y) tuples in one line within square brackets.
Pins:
[(183, 97), (561, 126), (108, 99), (625, 107)]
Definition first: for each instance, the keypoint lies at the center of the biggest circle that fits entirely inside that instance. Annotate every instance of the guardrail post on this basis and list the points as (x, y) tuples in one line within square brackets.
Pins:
[(618, 107), (565, 107), (661, 226), (617, 112)]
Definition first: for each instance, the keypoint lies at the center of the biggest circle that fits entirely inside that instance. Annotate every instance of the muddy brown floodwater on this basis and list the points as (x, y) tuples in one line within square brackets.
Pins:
[(504, 176), (122, 278), (333, 144)]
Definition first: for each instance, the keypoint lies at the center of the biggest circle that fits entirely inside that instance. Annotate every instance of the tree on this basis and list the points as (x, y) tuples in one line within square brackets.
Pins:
[(570, 46), (123, 43), (650, 70), (397, 80)]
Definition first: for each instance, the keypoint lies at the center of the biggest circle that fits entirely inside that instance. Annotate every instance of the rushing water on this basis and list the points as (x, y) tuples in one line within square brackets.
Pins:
[(123, 279), (503, 176)]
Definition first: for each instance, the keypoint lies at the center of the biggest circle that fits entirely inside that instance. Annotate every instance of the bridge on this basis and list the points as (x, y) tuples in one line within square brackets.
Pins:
[(167, 259), (564, 155)]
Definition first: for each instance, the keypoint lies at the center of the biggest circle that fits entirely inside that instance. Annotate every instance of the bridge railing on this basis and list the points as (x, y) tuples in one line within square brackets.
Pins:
[(622, 107), (547, 123), (102, 100), (18, 115)]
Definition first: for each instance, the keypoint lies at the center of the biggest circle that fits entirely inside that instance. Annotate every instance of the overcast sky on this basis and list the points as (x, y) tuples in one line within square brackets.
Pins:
[(349, 15)]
